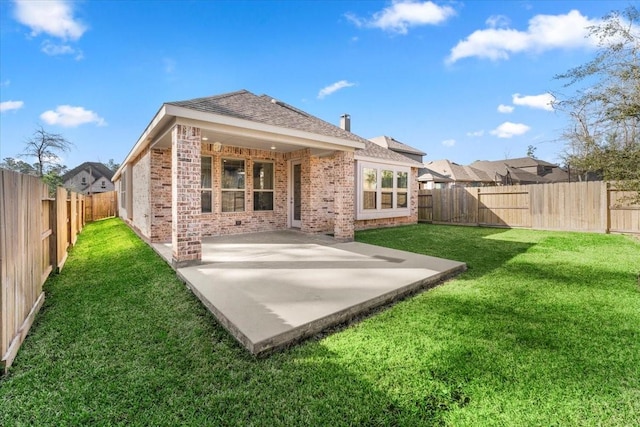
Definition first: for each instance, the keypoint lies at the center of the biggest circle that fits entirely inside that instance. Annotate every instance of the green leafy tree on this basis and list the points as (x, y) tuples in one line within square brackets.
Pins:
[(604, 111), (531, 151), (17, 165), (112, 165)]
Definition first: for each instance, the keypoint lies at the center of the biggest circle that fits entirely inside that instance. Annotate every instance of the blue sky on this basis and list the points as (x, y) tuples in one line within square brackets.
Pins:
[(462, 80)]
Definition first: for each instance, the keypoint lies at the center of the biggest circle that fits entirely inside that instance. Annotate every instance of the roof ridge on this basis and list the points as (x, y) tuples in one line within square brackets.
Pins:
[(219, 96)]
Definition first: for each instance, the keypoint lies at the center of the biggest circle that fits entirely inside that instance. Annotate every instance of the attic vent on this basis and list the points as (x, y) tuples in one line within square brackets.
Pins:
[(275, 101)]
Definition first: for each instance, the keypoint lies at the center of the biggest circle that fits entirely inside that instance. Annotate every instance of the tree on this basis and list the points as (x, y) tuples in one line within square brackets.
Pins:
[(112, 165), (45, 147), (604, 132), (531, 151), (18, 166)]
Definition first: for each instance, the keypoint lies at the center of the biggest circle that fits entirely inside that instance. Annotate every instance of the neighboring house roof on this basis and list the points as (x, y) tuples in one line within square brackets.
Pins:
[(557, 175), (498, 170), (523, 162), (426, 174), (95, 169), (395, 145), (514, 167), (266, 109), (458, 172)]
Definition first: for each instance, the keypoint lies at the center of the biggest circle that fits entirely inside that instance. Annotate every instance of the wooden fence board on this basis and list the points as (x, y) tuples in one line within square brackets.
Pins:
[(577, 206), (31, 225), (101, 205)]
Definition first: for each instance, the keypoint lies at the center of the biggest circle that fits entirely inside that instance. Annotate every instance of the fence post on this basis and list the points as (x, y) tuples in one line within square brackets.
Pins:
[(53, 238), (605, 206)]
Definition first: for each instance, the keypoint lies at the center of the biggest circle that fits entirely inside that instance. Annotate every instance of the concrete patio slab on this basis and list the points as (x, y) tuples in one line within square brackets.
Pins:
[(274, 288)]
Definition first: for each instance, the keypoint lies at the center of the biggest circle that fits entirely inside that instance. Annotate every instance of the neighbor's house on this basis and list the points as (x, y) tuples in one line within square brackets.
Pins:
[(399, 147), (89, 178), (447, 174), (238, 163), (522, 170)]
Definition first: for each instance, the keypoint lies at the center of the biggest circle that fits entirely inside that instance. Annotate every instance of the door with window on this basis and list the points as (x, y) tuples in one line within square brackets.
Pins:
[(295, 192)]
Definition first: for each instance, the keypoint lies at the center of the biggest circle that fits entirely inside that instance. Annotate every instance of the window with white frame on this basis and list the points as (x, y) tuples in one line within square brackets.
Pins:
[(383, 190), (233, 185), (123, 189), (263, 180), (206, 190)]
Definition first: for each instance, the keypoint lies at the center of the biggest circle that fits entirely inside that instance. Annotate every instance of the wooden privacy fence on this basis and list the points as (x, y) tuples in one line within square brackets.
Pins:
[(35, 232), (577, 206), (100, 205)]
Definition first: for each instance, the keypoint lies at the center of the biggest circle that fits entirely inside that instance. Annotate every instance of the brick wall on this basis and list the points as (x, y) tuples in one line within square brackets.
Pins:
[(344, 206), (223, 223), (186, 232), (141, 192), (318, 189), (160, 182)]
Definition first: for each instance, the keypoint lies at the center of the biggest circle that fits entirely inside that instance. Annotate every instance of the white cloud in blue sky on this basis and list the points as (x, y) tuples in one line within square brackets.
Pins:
[(402, 15), (140, 54), (333, 88), (52, 17), (70, 116), (10, 105), (449, 142), (476, 133), (509, 130), (545, 32), (505, 109), (55, 18), (542, 102)]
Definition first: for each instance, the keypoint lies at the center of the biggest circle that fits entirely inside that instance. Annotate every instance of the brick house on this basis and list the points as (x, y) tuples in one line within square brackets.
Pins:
[(240, 163)]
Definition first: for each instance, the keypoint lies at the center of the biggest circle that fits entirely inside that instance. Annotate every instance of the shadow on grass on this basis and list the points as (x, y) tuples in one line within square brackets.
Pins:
[(473, 245)]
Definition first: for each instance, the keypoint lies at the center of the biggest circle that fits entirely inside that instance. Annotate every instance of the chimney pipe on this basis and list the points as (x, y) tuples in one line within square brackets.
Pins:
[(345, 122)]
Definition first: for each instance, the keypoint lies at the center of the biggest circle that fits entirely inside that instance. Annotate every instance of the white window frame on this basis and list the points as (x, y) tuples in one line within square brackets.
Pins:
[(257, 190), (378, 212), (208, 189), (237, 190)]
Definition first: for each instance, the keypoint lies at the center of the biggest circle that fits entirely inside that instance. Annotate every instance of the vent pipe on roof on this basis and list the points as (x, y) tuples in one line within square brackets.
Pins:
[(345, 122)]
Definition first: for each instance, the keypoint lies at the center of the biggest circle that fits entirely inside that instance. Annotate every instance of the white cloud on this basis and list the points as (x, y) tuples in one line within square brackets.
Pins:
[(53, 49), (508, 130), (10, 105), (505, 109), (449, 142), (497, 21), (328, 90), (69, 116), (5, 83), (545, 32), (53, 17), (543, 101), (403, 14), (476, 133)]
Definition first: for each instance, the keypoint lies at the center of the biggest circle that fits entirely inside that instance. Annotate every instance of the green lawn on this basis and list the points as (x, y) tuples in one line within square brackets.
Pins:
[(543, 329)]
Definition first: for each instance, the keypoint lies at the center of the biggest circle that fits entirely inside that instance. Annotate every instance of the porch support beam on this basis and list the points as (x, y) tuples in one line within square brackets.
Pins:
[(344, 201), (186, 233)]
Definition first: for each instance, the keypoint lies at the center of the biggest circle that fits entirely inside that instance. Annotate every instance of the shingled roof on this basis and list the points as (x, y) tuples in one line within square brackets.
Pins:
[(395, 145), (458, 172), (265, 109), (95, 169)]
